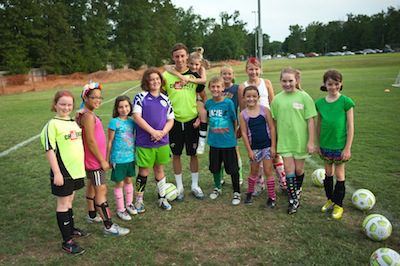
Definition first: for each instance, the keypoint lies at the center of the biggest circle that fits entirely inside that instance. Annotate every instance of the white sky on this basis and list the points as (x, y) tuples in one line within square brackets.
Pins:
[(278, 15)]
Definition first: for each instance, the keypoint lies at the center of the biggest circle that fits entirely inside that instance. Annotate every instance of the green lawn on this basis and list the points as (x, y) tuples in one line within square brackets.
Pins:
[(213, 232)]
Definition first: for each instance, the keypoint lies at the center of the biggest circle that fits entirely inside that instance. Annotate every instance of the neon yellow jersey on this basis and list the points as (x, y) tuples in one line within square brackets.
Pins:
[(64, 136), (182, 97)]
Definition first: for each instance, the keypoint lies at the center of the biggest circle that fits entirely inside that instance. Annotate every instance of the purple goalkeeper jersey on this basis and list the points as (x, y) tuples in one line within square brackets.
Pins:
[(156, 111)]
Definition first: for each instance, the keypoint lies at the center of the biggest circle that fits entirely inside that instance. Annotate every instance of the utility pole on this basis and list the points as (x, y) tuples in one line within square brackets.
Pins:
[(260, 35), (255, 32)]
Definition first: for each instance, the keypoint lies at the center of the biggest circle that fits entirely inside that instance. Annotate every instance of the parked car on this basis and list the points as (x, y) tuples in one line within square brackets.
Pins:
[(369, 51), (348, 53), (388, 50), (291, 56), (300, 55), (311, 54)]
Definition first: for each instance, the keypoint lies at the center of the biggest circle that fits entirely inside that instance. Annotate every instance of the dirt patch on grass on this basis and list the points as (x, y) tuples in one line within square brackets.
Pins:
[(23, 83)]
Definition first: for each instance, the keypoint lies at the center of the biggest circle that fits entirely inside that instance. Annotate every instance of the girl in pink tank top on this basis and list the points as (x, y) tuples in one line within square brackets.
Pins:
[(94, 143)]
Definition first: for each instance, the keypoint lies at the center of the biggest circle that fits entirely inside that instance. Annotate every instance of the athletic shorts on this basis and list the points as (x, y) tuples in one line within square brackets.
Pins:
[(122, 170), (228, 156), (296, 156), (262, 154), (98, 177), (148, 157), (332, 156), (184, 134), (70, 185)]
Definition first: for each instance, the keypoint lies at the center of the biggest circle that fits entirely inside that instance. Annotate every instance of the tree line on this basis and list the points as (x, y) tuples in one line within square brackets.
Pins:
[(66, 36)]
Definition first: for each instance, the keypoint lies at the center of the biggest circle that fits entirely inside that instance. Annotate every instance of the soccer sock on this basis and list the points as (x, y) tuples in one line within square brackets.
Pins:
[(104, 210), (328, 186), (271, 188), (217, 180), (119, 199), (203, 132), (64, 224), (128, 188), (299, 181), (179, 183), (280, 172), (71, 218), (92, 212), (251, 183), (240, 168), (235, 182), (338, 193), (141, 183), (161, 184), (195, 180), (291, 186)]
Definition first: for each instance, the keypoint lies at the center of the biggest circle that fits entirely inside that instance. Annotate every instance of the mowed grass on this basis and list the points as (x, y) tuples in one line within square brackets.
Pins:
[(213, 232)]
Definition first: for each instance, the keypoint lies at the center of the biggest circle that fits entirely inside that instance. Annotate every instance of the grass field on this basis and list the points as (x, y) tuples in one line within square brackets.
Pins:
[(213, 232)]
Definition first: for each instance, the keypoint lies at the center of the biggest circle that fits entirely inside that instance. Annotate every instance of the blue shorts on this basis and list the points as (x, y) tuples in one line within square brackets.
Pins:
[(332, 156)]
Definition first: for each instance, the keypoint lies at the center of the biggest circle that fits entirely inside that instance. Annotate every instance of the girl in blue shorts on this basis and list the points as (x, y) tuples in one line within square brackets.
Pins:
[(259, 138), (335, 131), (121, 155), (153, 114)]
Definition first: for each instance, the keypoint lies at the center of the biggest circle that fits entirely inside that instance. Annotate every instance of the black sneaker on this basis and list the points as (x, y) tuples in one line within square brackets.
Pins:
[(271, 203), (72, 248), (249, 198), (76, 233), (292, 208)]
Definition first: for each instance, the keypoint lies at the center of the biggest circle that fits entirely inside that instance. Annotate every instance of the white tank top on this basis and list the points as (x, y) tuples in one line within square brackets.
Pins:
[(262, 89)]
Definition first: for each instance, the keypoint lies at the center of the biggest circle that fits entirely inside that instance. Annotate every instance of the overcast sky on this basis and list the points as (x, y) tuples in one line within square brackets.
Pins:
[(278, 15)]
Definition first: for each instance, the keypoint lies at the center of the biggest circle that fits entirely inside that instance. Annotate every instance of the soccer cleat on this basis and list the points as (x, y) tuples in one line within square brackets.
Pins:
[(327, 206), (140, 207), (76, 233), (201, 147), (249, 198), (72, 248), (164, 204), (236, 198), (215, 194), (124, 216), (131, 209), (94, 220), (337, 212), (198, 193), (293, 205), (181, 196), (116, 230), (271, 203)]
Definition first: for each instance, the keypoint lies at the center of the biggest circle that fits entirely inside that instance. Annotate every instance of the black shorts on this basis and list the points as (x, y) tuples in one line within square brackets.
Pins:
[(184, 134), (70, 185), (226, 155)]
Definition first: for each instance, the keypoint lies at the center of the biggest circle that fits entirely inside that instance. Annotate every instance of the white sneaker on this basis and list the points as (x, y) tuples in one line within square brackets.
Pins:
[(94, 220), (116, 230), (164, 204), (124, 216), (215, 194), (202, 145), (131, 209), (198, 193), (236, 198)]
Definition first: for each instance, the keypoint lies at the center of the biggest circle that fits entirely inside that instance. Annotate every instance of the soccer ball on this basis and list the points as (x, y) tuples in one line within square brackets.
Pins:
[(171, 192), (377, 227), (383, 257), (318, 177), (363, 199)]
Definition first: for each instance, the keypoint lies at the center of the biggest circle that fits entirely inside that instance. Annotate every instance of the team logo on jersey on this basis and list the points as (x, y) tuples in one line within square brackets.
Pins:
[(163, 103)]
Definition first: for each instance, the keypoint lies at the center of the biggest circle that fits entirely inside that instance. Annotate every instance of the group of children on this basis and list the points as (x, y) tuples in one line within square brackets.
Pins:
[(141, 133)]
